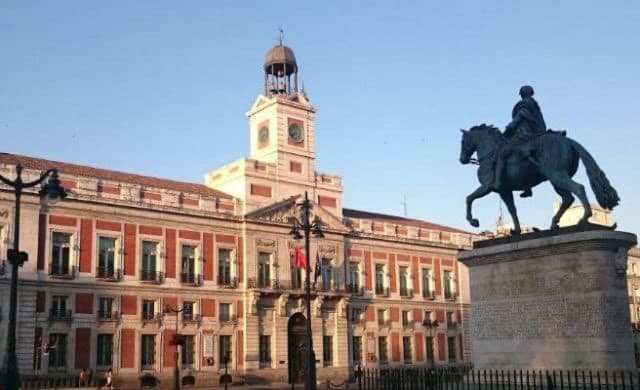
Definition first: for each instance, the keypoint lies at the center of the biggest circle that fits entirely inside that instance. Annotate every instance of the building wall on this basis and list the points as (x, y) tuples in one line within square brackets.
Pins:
[(253, 311)]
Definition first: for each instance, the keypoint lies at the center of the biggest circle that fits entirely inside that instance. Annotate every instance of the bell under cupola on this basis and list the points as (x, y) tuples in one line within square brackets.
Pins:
[(280, 71)]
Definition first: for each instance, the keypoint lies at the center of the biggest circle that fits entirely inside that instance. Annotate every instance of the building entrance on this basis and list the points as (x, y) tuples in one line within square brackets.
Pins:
[(297, 347)]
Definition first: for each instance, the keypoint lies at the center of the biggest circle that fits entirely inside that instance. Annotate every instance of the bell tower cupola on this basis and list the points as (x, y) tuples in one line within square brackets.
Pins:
[(280, 71)]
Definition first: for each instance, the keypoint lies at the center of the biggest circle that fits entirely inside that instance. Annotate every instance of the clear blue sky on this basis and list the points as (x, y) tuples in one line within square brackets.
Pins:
[(161, 88)]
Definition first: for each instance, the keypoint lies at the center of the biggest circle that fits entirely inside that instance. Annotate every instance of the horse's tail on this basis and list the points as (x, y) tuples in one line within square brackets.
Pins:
[(605, 193)]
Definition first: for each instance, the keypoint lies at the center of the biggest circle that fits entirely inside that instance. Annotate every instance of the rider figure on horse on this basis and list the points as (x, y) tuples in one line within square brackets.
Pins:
[(526, 123)]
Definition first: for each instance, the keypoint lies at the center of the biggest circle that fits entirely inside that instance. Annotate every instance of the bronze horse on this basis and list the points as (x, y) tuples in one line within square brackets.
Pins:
[(554, 158)]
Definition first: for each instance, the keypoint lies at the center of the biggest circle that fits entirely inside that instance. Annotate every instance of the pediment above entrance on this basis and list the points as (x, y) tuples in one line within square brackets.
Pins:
[(282, 212)]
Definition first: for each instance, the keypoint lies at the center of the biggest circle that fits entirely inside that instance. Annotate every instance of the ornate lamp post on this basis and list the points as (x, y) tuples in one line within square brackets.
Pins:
[(308, 227), (51, 191), (427, 323), (177, 341)]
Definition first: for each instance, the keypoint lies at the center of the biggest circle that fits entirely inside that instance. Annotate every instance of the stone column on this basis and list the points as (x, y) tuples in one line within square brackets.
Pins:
[(553, 299)]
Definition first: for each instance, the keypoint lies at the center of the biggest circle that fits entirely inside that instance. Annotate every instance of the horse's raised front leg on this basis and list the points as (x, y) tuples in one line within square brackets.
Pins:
[(478, 193), (507, 198)]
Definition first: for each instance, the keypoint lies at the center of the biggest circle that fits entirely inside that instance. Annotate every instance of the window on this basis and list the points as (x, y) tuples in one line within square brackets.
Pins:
[(382, 316), (327, 351), (404, 275), (296, 278), (148, 309), (105, 350), (382, 349), (429, 348), (354, 277), (427, 288), (355, 315), (406, 349), (225, 312), (188, 262), (327, 274), (356, 342), (59, 308), (265, 349), (105, 308), (264, 269), (379, 279), (148, 272), (405, 318), (57, 351), (147, 351), (188, 351), (451, 323), (451, 348), (188, 311), (106, 257), (224, 350), (427, 317), (60, 254), (224, 267), (448, 285)]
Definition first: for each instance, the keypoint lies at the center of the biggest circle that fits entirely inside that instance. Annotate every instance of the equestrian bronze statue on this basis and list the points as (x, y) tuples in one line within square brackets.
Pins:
[(527, 154)]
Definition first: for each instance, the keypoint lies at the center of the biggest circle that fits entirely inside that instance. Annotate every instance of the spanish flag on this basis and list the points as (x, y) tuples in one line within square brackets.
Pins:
[(299, 260)]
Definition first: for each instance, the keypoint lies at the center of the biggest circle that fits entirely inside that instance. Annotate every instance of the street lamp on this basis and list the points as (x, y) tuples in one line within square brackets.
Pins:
[(177, 341), (308, 227), (50, 191), (427, 323)]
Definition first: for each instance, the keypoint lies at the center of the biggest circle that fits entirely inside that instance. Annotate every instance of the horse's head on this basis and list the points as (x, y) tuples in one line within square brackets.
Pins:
[(468, 146), (482, 139)]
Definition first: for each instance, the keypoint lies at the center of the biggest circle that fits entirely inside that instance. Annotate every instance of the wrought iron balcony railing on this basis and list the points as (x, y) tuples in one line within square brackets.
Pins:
[(450, 295), (355, 288), (429, 294), (63, 271), (109, 273), (191, 278), (106, 316), (382, 291), (60, 315), (152, 276), (227, 282)]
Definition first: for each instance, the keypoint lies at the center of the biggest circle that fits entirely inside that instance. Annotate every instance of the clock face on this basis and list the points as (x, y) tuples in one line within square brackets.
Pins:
[(263, 134), (295, 132)]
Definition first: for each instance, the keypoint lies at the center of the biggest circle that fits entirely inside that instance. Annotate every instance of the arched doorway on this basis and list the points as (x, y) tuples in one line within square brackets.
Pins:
[(297, 347)]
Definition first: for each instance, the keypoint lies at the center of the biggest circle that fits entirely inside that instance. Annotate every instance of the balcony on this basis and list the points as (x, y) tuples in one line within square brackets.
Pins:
[(450, 295), (156, 277), (452, 325), (232, 320), (149, 317), (360, 321), (191, 319), (60, 315), (228, 282), (407, 325), (108, 316), (384, 360), (191, 279), (429, 294), (62, 271), (355, 288), (406, 293), (382, 291), (384, 323), (109, 273)]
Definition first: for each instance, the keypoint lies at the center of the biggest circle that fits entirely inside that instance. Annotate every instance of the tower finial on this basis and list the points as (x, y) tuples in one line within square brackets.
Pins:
[(281, 38)]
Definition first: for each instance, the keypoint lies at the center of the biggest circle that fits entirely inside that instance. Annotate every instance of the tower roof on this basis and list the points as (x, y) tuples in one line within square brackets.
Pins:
[(278, 56)]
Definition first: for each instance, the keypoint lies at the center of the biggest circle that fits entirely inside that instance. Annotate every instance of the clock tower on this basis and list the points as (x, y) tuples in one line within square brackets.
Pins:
[(281, 160)]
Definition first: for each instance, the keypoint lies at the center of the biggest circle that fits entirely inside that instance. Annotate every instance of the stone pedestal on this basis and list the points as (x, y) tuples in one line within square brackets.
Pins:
[(551, 300)]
